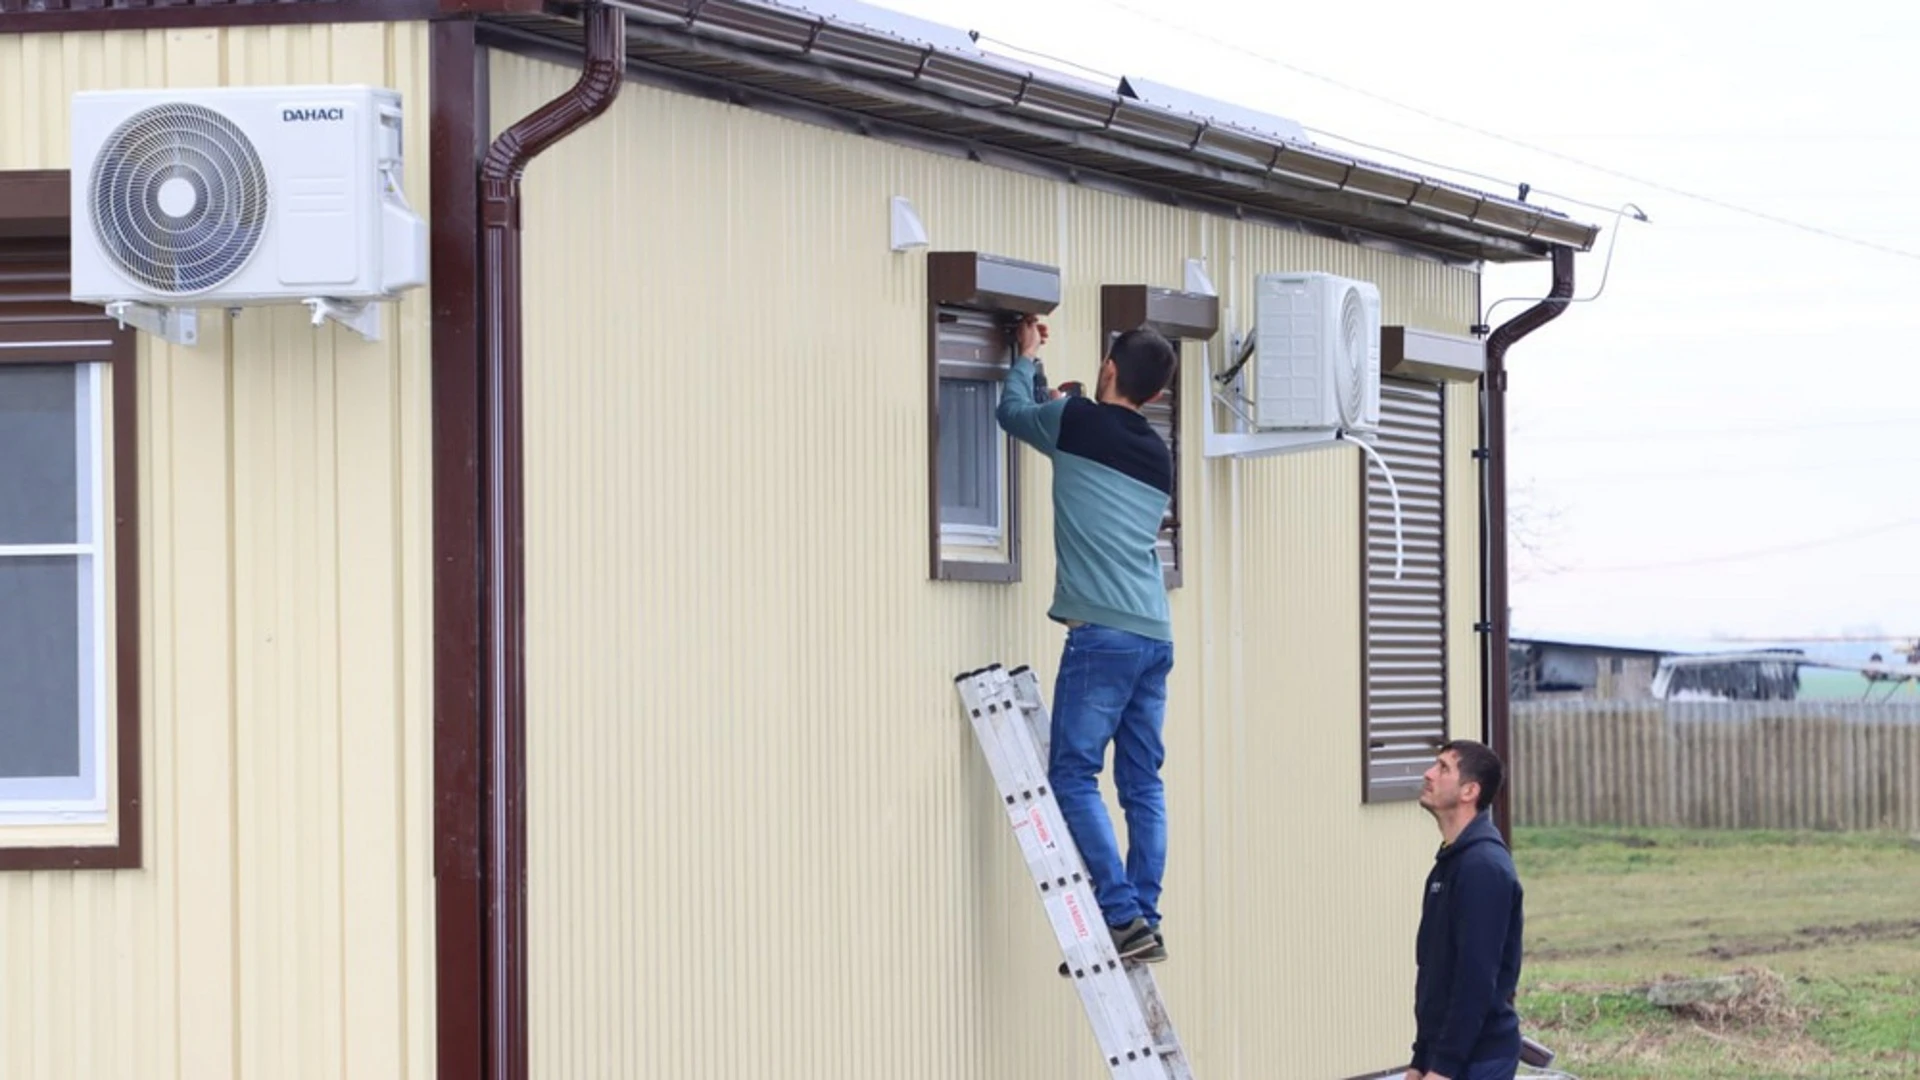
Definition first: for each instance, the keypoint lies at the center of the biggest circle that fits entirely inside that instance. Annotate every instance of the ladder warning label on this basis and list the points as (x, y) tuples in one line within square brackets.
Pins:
[(1076, 917), (1040, 829)]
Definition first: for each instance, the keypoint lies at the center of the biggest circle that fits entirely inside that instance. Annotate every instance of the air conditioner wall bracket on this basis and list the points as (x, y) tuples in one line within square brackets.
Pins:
[(181, 326), (361, 318)]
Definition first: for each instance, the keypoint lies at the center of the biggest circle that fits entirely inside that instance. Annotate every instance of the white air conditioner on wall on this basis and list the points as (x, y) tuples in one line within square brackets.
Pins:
[(1316, 354), (244, 196)]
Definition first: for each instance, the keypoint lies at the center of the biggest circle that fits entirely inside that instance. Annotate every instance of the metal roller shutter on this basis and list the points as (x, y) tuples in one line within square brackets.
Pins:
[(1405, 621)]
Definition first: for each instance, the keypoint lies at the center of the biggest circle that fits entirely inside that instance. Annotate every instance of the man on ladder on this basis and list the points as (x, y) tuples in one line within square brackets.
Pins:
[(1112, 482)]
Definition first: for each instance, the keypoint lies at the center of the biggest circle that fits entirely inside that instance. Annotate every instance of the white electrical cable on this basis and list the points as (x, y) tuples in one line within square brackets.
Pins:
[(1399, 541)]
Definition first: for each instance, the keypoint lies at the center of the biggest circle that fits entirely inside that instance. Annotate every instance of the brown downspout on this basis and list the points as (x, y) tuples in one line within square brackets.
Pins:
[(503, 631), (1496, 689)]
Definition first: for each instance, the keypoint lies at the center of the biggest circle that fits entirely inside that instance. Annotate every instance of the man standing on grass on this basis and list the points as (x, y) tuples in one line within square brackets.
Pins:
[(1470, 926), (1112, 482)]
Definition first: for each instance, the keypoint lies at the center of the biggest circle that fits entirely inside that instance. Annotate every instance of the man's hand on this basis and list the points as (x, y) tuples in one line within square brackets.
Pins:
[(1414, 1074), (1030, 335)]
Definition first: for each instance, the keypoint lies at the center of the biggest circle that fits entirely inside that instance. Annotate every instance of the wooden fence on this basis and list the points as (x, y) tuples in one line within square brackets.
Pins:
[(1717, 765)]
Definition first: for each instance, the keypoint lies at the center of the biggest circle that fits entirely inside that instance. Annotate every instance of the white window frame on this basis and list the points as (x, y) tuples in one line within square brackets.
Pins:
[(84, 799)]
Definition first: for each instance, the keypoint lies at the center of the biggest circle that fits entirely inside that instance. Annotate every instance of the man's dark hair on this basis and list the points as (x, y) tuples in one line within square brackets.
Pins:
[(1479, 765), (1143, 363)]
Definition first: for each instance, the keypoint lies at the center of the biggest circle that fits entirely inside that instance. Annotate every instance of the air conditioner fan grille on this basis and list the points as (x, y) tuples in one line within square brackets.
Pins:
[(178, 198), (1350, 362)]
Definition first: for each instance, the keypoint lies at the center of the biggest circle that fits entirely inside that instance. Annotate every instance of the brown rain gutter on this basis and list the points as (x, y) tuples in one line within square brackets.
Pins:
[(1496, 680), (503, 630)]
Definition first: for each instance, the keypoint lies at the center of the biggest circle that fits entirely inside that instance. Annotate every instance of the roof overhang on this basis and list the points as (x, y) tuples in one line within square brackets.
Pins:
[(757, 52)]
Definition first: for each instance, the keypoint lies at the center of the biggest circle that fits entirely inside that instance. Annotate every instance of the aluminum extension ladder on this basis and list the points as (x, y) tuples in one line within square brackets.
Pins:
[(1130, 1021)]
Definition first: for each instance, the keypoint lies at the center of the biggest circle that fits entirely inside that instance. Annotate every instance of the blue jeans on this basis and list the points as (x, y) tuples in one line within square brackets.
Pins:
[(1113, 689), (1495, 1069)]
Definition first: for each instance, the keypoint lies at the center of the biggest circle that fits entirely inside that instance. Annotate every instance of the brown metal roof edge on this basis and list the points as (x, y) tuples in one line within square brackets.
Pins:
[(60, 16), (870, 106), (513, 34), (777, 32)]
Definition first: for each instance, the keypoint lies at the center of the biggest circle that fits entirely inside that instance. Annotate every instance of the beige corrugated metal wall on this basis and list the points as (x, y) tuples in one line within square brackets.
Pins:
[(763, 842), (282, 926)]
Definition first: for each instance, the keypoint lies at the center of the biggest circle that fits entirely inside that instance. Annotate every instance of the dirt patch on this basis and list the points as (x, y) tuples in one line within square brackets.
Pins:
[(1761, 1031), (1765, 1007), (1815, 937)]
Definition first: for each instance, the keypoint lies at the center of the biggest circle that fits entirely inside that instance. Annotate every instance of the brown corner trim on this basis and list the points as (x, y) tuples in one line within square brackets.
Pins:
[(1174, 314), (1409, 353), (61, 16), (456, 135), (992, 282), (34, 213)]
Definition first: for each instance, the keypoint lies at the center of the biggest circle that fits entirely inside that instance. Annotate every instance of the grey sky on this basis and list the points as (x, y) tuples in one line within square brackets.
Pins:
[(1740, 386)]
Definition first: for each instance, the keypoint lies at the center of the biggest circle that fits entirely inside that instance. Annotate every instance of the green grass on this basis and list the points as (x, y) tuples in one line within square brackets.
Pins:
[(1827, 924)]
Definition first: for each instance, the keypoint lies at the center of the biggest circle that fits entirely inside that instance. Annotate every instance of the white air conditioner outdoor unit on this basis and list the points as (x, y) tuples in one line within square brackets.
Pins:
[(244, 196), (1316, 354)]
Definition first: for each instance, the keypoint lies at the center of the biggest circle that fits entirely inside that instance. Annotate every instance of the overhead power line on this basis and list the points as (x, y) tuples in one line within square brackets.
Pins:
[(1682, 476), (1644, 434), (1708, 200), (1074, 67), (1744, 556)]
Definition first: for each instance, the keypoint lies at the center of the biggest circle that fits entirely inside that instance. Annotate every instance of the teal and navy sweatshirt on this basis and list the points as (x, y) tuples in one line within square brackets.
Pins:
[(1112, 481)]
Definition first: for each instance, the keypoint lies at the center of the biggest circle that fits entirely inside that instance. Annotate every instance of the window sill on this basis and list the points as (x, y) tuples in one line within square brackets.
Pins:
[(88, 847), (963, 570)]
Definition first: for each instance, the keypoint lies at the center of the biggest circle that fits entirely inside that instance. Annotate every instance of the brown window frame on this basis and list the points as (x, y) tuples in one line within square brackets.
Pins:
[(34, 308), (1386, 781), (1002, 289), (1179, 317)]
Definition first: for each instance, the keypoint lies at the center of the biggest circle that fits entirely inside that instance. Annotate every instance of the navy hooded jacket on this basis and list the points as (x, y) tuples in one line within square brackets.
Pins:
[(1469, 955)]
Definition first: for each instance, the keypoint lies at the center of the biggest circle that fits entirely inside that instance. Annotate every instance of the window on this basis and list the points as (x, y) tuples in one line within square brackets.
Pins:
[(69, 722), (974, 471), (1180, 317), (970, 460), (52, 596), (973, 355), (1404, 621)]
